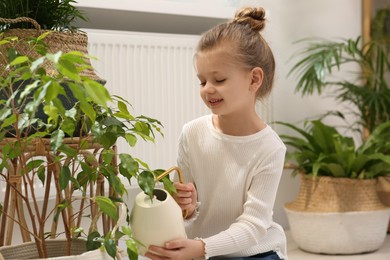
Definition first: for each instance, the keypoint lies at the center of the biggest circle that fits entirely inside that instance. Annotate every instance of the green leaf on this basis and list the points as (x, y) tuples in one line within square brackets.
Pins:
[(36, 63), (131, 139), (29, 89), (67, 150), (43, 35), (52, 91), (108, 156), (107, 140), (107, 207), (8, 121), (60, 207), (98, 93), (19, 60), (147, 182), (132, 249), (52, 113), (34, 164), (116, 183), (127, 231), (54, 57), (77, 91), (65, 177), (336, 169), (71, 113), (68, 126), (68, 69), (92, 241), (42, 174), (56, 139), (128, 166), (110, 246), (168, 185), (88, 110)]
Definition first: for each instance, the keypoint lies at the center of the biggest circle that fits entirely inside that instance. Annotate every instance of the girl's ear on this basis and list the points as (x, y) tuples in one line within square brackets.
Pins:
[(257, 75)]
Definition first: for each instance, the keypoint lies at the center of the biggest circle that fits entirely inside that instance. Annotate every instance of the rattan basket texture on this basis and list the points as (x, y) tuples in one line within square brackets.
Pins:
[(383, 188), (331, 194), (57, 41), (56, 249)]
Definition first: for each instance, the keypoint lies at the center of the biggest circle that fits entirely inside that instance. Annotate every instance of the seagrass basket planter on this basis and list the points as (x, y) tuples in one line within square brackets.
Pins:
[(56, 251), (337, 215), (383, 188), (64, 41), (55, 41)]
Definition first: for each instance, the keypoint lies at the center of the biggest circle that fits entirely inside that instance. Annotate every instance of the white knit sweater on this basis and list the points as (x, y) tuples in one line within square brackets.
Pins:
[(237, 178)]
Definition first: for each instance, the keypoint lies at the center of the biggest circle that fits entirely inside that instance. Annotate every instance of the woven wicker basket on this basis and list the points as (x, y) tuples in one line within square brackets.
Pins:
[(329, 194), (383, 189), (57, 41), (337, 216), (56, 250)]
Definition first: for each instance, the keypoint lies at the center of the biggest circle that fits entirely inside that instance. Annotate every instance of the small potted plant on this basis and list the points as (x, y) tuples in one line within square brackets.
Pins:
[(337, 210), (72, 169)]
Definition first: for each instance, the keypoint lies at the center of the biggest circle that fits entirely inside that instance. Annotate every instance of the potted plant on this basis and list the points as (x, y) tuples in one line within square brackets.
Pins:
[(32, 18), (366, 89), (337, 210), (72, 169), (50, 14)]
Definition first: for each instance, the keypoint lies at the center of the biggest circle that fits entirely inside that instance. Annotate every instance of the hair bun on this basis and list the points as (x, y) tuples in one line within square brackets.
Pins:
[(253, 16)]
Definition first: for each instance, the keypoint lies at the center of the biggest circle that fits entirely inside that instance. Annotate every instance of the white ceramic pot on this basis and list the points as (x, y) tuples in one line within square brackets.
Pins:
[(339, 232), (154, 222)]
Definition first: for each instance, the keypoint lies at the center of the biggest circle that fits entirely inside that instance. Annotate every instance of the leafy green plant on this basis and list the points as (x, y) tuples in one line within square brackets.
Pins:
[(56, 15), (367, 89), (26, 88), (320, 150)]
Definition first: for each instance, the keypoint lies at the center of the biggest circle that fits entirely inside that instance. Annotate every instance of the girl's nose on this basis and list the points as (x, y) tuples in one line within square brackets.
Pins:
[(209, 87)]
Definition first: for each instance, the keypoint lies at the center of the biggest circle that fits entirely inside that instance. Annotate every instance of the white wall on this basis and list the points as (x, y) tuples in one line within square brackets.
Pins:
[(289, 21)]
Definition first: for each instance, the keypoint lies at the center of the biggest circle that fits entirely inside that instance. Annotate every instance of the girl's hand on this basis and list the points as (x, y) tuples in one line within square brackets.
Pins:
[(180, 249), (186, 197)]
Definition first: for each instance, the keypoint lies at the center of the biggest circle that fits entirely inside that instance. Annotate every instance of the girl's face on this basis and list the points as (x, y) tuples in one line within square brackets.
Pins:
[(226, 87)]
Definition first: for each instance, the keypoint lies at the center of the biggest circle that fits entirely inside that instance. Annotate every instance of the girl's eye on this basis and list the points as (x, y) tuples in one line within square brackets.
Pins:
[(202, 84), (220, 81)]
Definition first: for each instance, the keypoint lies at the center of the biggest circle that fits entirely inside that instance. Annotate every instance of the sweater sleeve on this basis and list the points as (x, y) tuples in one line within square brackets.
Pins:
[(252, 225), (182, 159)]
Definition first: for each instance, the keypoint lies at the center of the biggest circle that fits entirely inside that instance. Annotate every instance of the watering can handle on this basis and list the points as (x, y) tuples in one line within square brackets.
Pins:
[(180, 173)]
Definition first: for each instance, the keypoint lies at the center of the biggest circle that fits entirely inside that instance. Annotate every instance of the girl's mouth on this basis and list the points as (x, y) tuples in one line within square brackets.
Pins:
[(214, 102)]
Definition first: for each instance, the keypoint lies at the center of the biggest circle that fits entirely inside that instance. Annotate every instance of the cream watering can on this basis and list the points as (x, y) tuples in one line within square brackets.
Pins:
[(154, 222)]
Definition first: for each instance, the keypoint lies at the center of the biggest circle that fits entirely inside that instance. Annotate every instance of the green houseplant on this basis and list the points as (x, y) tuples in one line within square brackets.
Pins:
[(48, 152), (337, 210), (367, 90)]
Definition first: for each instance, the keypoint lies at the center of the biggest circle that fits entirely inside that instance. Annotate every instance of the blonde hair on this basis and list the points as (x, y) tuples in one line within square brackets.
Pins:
[(250, 49)]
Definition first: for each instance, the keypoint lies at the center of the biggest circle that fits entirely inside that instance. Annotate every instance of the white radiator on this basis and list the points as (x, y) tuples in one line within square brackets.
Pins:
[(155, 73)]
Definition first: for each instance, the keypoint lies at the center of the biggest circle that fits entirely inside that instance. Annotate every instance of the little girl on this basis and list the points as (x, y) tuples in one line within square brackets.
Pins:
[(232, 160)]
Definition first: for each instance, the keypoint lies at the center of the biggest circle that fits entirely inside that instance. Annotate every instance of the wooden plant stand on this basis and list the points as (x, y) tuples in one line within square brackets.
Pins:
[(18, 184)]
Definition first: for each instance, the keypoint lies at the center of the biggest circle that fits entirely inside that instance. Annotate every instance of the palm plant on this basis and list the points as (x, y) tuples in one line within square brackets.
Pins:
[(368, 91), (56, 15), (320, 150)]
